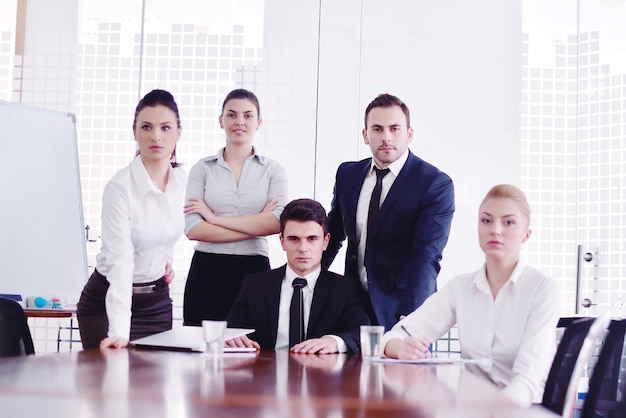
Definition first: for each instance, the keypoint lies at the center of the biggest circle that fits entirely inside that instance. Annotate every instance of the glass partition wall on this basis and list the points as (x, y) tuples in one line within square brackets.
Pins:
[(526, 92), (573, 137)]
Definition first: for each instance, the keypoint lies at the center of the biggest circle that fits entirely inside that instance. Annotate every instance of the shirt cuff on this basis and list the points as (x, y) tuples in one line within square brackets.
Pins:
[(341, 345), (519, 392), (119, 326), (390, 335)]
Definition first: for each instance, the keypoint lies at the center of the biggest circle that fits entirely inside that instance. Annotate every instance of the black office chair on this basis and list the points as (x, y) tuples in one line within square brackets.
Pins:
[(15, 338), (606, 396), (577, 344), (566, 321)]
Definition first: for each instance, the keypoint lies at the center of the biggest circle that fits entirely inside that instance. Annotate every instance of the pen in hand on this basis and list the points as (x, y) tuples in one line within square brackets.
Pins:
[(405, 330), (426, 353)]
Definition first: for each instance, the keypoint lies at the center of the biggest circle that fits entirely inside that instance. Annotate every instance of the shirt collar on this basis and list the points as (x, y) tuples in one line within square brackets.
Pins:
[(140, 174), (395, 167), (219, 157), (143, 180), (480, 278), (517, 271), (311, 278), (176, 180)]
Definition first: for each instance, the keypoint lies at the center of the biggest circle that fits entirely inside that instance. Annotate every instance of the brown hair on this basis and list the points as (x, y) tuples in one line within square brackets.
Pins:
[(242, 94), (388, 100), (302, 210)]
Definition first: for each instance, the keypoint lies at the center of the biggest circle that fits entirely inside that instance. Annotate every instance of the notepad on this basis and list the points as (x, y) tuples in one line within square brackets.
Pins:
[(188, 339)]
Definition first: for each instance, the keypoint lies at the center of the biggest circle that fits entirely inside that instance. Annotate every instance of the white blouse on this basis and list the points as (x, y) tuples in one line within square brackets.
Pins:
[(212, 180), (140, 226), (516, 331)]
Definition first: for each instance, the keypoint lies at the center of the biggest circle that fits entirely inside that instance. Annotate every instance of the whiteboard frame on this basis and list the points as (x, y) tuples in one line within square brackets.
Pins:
[(42, 231)]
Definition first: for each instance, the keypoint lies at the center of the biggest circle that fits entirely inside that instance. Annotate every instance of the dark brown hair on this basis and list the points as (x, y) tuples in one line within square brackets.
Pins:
[(388, 100), (303, 210), (159, 98), (242, 94)]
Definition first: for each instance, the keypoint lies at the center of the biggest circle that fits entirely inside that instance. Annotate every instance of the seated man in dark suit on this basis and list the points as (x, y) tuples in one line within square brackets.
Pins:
[(330, 303)]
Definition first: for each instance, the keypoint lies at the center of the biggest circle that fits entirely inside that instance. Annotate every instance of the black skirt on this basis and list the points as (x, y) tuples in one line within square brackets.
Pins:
[(213, 283), (150, 312)]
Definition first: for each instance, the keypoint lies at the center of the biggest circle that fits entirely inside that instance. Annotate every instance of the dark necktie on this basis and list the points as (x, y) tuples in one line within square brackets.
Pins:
[(372, 214), (296, 313)]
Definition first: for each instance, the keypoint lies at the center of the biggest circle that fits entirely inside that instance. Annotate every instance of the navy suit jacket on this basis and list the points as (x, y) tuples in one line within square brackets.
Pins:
[(405, 247), (336, 308)]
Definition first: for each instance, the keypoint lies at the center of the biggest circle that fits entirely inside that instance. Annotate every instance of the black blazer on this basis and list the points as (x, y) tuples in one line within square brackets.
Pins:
[(336, 308), (406, 244)]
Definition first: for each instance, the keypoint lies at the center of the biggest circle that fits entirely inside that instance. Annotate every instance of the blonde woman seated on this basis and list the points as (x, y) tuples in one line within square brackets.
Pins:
[(506, 311)]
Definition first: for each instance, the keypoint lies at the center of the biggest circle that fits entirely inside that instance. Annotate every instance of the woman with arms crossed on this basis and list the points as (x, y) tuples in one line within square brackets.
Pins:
[(506, 311), (127, 296), (234, 200)]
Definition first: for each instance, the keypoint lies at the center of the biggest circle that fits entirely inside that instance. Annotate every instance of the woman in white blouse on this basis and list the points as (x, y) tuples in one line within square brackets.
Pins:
[(127, 296), (234, 200), (505, 312)]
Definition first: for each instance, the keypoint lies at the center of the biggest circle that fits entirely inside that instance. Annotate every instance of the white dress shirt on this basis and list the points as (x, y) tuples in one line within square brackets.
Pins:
[(286, 292), (516, 331), (140, 225), (363, 206)]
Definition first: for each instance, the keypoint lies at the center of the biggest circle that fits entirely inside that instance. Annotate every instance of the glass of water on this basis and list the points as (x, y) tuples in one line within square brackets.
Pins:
[(213, 332), (371, 337)]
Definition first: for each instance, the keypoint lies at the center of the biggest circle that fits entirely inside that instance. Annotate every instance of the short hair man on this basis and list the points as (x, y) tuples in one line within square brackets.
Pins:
[(396, 210), (332, 308)]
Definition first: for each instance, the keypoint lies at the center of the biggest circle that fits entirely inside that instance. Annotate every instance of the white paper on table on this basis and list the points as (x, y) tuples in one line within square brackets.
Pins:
[(186, 338)]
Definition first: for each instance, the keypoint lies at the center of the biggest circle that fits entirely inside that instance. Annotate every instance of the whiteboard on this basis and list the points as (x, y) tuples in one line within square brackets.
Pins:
[(42, 234)]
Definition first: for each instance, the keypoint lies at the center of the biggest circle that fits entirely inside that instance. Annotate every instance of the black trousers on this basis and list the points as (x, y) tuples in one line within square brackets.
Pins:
[(150, 313), (213, 283)]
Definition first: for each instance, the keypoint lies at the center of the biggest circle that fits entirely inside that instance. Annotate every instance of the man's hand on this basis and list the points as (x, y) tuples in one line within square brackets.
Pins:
[(242, 341), (324, 345), (407, 349)]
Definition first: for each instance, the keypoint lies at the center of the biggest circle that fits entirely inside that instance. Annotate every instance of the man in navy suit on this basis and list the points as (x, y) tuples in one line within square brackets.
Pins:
[(333, 310), (395, 244)]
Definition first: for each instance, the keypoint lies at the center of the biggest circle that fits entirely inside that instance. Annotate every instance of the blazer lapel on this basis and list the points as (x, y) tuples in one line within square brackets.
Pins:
[(353, 188), (272, 298), (400, 185), (320, 295)]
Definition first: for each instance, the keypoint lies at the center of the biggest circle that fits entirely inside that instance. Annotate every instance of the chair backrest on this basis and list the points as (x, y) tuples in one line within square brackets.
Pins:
[(563, 323), (606, 396), (15, 338), (566, 321), (575, 348)]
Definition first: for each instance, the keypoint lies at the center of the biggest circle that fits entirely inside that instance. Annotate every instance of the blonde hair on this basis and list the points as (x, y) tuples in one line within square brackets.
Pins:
[(508, 191)]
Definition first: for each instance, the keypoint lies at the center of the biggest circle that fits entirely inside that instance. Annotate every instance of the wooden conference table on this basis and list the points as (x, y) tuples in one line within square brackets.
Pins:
[(138, 383)]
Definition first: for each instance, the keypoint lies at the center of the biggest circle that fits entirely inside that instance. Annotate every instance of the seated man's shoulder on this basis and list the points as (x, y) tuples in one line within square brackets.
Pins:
[(259, 278), (340, 280)]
